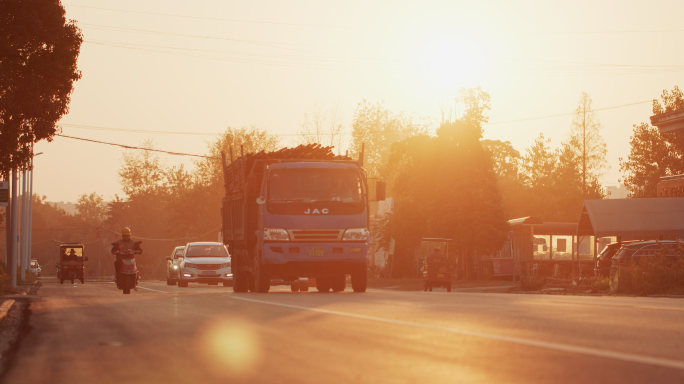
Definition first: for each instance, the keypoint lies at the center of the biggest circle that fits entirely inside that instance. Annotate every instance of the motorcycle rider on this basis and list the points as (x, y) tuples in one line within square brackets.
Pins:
[(124, 244)]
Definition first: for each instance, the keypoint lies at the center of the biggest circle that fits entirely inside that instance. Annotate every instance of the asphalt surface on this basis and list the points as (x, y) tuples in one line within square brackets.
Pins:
[(92, 333)]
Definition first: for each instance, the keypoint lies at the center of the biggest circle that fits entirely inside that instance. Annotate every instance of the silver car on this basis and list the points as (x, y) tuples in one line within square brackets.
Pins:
[(205, 262), (172, 265)]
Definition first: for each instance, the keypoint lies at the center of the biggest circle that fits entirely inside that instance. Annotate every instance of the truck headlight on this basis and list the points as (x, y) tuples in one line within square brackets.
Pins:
[(276, 234), (355, 234)]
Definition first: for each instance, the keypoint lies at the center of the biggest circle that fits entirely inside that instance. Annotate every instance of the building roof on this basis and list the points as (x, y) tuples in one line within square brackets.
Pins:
[(636, 218), (670, 121)]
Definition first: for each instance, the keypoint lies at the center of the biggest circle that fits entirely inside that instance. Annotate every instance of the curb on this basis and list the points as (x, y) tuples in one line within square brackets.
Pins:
[(5, 307)]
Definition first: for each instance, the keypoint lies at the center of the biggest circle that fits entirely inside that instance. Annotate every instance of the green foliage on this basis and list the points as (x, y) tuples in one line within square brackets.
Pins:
[(38, 53), (91, 207), (600, 285), (652, 154)]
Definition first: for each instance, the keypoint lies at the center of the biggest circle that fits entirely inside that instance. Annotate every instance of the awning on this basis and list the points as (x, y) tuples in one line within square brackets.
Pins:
[(636, 218), (530, 220)]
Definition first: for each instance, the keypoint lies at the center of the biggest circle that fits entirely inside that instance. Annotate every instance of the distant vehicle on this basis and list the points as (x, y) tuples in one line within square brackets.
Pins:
[(205, 262), (636, 252), (605, 259), (71, 265), (35, 268), (172, 265)]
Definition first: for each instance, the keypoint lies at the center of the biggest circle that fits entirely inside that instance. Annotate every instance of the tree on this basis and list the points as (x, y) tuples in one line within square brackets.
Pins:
[(323, 127), (446, 187), (506, 158), (654, 154), (39, 49), (91, 208), (377, 128), (250, 138), (587, 143), (142, 172)]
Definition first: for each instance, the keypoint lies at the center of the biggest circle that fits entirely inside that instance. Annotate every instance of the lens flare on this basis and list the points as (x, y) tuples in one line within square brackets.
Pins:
[(230, 347)]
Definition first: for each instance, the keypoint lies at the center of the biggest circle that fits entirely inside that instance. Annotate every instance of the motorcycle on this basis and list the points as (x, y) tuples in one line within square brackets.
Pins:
[(128, 272)]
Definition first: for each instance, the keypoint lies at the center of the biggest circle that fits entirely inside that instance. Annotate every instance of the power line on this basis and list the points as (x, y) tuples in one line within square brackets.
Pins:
[(568, 114), (145, 149), (237, 20), (361, 27)]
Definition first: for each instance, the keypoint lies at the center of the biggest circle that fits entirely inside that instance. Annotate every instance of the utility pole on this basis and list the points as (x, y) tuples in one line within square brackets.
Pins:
[(13, 258), (99, 256), (29, 230), (23, 249)]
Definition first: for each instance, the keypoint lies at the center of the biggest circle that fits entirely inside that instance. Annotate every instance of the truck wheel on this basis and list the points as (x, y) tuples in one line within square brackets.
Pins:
[(170, 281), (449, 287), (240, 283), (323, 284), (294, 287), (262, 281), (359, 280), (304, 285), (426, 286), (338, 283), (61, 281)]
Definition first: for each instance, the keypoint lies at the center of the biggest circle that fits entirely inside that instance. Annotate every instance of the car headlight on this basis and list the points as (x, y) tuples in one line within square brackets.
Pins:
[(355, 234), (225, 265), (190, 265), (277, 234), (175, 267)]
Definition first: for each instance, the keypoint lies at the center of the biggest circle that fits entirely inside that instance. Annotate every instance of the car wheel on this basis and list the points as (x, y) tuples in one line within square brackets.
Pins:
[(449, 287), (294, 287), (323, 284), (304, 285), (170, 281), (338, 282)]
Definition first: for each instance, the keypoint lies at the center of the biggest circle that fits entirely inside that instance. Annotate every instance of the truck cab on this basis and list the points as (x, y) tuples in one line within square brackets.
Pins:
[(313, 222)]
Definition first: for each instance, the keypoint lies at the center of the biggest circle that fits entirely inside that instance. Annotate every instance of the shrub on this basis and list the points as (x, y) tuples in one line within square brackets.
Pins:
[(657, 275)]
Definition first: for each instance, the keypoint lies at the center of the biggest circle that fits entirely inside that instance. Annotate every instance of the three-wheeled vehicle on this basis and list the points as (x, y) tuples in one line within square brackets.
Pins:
[(437, 271), (71, 263)]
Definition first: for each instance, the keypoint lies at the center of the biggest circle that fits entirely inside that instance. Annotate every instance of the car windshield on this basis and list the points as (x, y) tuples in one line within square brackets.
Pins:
[(608, 252), (315, 184), (210, 250)]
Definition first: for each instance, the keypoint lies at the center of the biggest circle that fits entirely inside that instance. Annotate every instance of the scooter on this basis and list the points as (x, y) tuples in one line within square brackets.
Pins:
[(128, 273)]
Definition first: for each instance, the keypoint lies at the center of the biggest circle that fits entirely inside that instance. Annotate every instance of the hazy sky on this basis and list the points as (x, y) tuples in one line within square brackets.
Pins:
[(268, 62)]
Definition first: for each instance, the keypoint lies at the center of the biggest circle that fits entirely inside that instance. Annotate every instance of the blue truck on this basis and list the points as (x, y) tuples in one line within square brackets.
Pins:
[(295, 214)]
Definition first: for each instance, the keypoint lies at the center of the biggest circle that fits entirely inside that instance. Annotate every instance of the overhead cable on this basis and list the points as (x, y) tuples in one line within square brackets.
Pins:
[(141, 148), (568, 114)]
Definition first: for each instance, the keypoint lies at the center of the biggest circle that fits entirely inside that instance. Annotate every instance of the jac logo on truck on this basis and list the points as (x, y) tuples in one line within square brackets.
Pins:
[(316, 211)]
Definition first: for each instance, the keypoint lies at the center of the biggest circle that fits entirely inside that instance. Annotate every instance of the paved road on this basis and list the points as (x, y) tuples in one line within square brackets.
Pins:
[(163, 334)]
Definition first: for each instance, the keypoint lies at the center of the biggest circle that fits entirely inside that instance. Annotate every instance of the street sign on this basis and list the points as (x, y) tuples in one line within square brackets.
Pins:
[(4, 193)]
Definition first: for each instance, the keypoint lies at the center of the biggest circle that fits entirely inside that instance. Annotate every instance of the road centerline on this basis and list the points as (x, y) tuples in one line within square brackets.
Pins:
[(642, 359)]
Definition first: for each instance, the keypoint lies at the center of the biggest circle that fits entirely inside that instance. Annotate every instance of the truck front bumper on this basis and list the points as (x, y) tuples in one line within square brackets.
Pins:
[(314, 259)]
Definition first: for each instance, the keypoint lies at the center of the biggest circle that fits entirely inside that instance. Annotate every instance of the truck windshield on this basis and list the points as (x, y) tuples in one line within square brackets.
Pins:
[(315, 184)]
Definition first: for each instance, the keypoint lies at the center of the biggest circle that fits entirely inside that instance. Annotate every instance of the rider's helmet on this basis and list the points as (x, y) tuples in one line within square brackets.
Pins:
[(126, 232)]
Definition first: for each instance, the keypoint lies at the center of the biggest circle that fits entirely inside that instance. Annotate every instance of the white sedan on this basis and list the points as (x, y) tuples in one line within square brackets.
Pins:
[(207, 263)]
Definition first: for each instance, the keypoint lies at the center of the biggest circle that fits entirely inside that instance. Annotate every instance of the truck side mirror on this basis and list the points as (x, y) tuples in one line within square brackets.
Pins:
[(261, 200), (380, 190), (168, 258)]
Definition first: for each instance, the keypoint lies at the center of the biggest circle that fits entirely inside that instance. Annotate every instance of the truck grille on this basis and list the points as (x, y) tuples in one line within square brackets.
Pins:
[(208, 266), (313, 235)]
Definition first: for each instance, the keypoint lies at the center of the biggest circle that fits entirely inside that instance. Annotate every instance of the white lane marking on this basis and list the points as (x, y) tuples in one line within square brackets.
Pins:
[(676, 364), (150, 289)]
